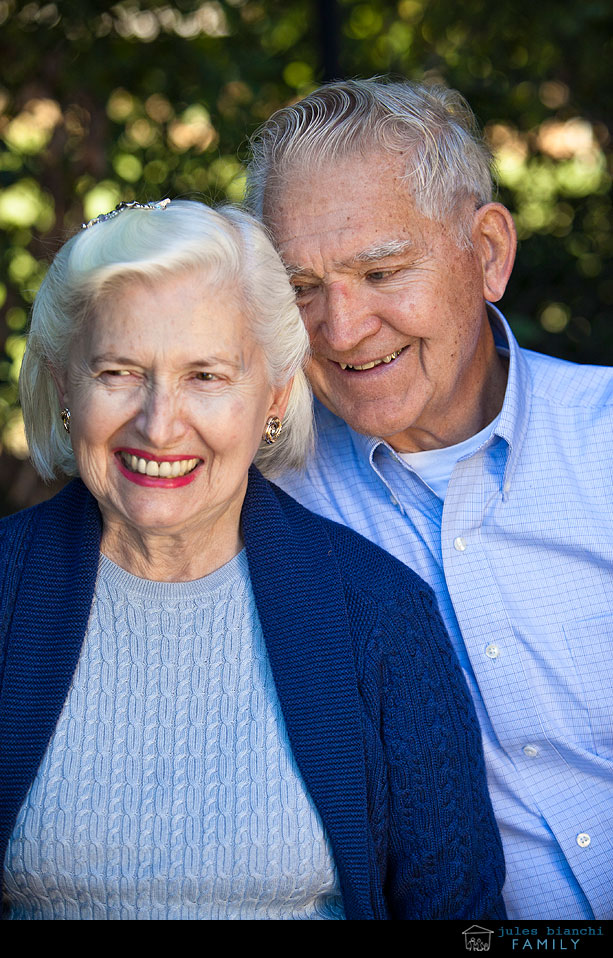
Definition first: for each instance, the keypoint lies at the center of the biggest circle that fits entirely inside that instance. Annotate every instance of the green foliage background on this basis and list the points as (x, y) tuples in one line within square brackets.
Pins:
[(149, 98)]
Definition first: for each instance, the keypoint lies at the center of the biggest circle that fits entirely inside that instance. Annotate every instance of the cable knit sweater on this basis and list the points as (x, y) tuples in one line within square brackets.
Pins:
[(377, 712)]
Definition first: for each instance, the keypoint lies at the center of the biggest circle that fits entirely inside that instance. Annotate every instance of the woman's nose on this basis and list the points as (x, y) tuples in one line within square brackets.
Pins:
[(161, 420)]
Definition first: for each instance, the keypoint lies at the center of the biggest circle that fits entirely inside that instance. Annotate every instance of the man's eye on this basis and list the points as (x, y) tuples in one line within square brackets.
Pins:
[(206, 377), (302, 291), (377, 275), (116, 372)]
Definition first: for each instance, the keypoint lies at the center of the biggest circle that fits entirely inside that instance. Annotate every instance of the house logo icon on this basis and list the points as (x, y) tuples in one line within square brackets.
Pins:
[(477, 938)]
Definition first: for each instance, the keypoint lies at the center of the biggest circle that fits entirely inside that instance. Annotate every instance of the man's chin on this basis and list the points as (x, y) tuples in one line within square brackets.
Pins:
[(368, 419)]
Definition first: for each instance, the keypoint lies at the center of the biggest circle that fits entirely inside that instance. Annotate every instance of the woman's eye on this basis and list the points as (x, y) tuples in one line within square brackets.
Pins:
[(116, 373)]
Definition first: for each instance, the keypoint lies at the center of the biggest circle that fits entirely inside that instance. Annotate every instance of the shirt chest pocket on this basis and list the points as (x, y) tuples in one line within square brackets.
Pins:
[(590, 688)]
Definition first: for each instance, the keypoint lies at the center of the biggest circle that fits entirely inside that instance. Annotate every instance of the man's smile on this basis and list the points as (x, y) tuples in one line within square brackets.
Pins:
[(375, 362)]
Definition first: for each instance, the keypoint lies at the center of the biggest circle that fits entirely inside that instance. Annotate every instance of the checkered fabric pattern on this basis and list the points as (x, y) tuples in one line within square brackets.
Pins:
[(520, 555)]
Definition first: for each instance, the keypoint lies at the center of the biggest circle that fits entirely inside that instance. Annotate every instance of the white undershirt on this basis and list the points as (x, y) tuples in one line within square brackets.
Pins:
[(435, 466)]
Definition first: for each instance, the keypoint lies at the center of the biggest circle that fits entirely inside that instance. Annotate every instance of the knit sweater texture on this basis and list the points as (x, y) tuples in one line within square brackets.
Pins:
[(169, 790), (375, 705)]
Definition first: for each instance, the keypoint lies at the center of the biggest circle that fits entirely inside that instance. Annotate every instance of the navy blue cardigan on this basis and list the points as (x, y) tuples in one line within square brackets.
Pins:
[(376, 708)]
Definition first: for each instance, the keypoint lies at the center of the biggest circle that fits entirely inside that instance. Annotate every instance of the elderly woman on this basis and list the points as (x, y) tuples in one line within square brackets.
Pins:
[(214, 705)]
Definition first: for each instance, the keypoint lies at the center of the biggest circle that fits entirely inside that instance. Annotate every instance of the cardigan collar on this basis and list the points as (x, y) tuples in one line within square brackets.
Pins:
[(44, 637), (301, 604), (299, 596)]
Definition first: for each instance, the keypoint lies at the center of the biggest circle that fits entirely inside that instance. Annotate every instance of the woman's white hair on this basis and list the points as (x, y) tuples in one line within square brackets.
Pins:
[(234, 251), (433, 127)]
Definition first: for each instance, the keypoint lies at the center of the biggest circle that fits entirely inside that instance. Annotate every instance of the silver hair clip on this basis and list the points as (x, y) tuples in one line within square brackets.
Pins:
[(133, 205)]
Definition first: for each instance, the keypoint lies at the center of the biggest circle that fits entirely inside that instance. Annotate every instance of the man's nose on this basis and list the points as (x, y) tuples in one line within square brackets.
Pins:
[(161, 420), (348, 318)]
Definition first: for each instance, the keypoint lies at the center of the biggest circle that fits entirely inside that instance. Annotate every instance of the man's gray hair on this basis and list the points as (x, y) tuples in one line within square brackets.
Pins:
[(230, 246), (448, 163)]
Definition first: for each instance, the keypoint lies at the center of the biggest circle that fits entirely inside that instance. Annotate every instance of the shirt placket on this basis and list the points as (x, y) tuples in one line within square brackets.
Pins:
[(507, 706)]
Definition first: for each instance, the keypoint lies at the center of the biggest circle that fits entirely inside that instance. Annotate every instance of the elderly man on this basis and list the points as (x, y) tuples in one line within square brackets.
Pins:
[(483, 466)]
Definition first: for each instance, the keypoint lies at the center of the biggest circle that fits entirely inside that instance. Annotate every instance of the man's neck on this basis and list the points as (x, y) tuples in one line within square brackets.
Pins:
[(463, 421)]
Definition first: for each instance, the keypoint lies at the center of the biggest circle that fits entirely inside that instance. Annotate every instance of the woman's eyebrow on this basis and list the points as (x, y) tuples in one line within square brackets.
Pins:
[(103, 358), (212, 360)]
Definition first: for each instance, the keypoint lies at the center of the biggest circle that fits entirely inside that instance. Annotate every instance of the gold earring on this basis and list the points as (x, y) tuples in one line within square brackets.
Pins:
[(273, 429), (65, 414)]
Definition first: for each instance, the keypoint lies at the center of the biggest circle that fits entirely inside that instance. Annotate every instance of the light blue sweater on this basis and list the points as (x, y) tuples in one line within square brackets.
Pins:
[(169, 790)]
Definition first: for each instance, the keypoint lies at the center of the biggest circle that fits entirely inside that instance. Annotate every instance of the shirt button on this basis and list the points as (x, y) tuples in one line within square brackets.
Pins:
[(393, 501), (459, 544), (506, 487), (531, 751), (583, 839), (492, 651)]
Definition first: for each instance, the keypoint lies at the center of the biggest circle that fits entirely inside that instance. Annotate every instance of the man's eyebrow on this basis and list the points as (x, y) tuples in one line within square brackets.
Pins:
[(381, 251), (293, 270), (373, 254)]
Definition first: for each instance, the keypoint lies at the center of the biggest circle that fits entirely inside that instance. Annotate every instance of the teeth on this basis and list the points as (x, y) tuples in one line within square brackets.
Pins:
[(155, 469), (377, 362)]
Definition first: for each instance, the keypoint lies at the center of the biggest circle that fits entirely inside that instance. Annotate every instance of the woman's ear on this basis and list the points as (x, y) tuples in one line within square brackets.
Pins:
[(59, 378), (280, 399), (495, 241)]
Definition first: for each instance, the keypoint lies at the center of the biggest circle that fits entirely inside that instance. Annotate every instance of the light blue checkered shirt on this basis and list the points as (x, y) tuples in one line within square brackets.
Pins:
[(520, 556)]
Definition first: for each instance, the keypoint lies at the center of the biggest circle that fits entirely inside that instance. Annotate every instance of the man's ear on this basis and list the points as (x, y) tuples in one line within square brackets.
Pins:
[(495, 241)]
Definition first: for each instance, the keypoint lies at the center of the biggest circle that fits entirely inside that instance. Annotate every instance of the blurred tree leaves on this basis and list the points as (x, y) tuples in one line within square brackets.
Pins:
[(147, 98)]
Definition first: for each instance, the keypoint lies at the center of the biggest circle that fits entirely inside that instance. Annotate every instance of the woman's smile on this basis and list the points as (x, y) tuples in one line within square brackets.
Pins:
[(166, 472)]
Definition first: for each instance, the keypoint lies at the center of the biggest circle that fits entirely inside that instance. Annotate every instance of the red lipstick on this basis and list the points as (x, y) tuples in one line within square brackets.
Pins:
[(157, 482)]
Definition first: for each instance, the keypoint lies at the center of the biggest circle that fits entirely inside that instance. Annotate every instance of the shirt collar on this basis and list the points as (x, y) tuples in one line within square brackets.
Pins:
[(514, 415)]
